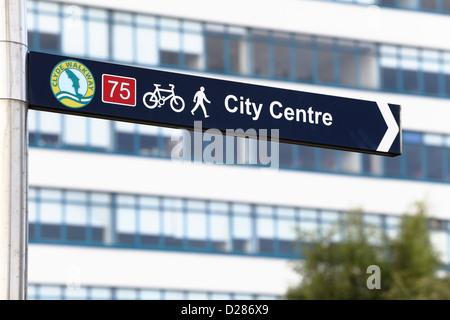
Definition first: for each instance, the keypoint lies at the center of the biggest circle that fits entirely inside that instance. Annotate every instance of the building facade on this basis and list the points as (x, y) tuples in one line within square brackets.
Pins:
[(113, 216)]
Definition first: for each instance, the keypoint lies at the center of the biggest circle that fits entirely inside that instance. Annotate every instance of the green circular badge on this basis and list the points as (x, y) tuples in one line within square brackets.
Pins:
[(72, 84)]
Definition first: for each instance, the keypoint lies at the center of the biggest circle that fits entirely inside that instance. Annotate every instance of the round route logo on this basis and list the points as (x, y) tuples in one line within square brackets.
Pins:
[(72, 84)]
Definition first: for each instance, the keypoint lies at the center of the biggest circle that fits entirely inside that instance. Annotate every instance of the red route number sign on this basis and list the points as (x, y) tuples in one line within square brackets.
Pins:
[(119, 90)]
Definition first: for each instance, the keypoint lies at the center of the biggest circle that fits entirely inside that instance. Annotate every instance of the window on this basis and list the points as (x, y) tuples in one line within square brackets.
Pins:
[(146, 45), (329, 159), (260, 52), (196, 225), (169, 42), (97, 26), (173, 222), (242, 234), (434, 153), (148, 140), (125, 136), (393, 166), (126, 219), (122, 37), (101, 219), (429, 4), (282, 55), (287, 236), (372, 164), (50, 128), (325, 62), (74, 25), (193, 45), (286, 155), (305, 66), (75, 129), (215, 48), (265, 229), (413, 161), (99, 134), (389, 64), (347, 63), (367, 71), (430, 67), (238, 50), (410, 75), (307, 157)]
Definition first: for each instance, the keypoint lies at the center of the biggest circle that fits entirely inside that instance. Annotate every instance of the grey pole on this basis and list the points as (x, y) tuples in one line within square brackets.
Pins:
[(14, 149)]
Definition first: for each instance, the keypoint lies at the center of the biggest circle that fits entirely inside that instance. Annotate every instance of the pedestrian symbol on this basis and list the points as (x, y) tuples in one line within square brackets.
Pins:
[(199, 98)]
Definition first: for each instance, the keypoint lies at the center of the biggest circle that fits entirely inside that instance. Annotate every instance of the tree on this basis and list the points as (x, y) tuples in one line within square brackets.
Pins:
[(336, 265), (415, 262)]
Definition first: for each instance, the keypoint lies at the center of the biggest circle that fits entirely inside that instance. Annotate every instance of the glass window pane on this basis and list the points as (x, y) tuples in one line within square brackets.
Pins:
[(51, 194), (76, 294), (126, 220), (75, 130), (282, 56), (260, 53), (51, 213), (150, 295), (265, 234), (241, 208), (197, 296), (100, 198), (48, 17), (126, 200), (329, 159), (218, 206), (172, 203), (446, 5), (100, 133), (147, 49), (101, 294), (265, 227), (98, 40), (215, 47), (73, 41), (174, 295), (50, 127), (149, 222), (170, 42), (76, 214), (242, 234), (325, 66), (50, 293), (196, 205), (392, 166), (173, 228), (126, 294), (238, 53), (220, 232), (368, 66), (193, 50), (307, 157), (347, 70), (413, 161), (196, 227), (434, 162), (410, 80), (100, 224), (122, 38)]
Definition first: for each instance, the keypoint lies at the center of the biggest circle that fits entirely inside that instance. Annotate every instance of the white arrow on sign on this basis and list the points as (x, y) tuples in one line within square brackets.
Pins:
[(392, 129)]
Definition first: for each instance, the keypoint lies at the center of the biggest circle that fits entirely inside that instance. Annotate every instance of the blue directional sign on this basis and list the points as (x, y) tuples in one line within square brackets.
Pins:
[(147, 96)]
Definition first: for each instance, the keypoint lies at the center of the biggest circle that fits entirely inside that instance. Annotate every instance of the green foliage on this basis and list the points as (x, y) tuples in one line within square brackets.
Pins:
[(335, 264)]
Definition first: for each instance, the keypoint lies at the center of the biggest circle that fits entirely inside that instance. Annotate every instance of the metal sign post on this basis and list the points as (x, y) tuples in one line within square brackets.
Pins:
[(13, 146)]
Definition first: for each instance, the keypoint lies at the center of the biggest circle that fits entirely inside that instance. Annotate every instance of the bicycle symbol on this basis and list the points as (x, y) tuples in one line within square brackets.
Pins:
[(156, 99)]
